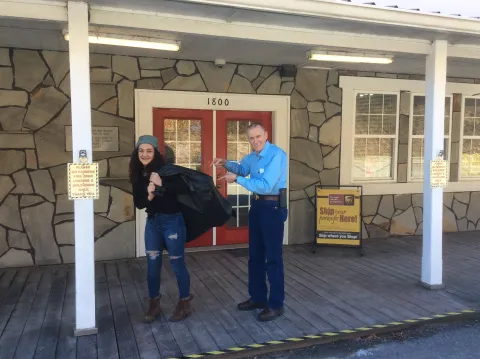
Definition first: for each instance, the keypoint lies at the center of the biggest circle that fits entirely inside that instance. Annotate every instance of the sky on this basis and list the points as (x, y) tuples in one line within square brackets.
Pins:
[(468, 8)]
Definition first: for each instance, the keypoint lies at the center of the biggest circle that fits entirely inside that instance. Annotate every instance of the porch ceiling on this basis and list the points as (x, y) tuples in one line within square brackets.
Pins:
[(208, 45), (191, 8)]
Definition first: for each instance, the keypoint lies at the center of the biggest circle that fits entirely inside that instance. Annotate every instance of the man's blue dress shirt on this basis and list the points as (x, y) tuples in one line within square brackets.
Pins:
[(267, 170)]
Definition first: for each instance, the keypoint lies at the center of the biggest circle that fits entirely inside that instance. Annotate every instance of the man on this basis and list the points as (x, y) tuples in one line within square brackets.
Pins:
[(267, 167)]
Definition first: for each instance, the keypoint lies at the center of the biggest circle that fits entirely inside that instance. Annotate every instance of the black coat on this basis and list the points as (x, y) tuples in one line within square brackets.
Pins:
[(203, 207)]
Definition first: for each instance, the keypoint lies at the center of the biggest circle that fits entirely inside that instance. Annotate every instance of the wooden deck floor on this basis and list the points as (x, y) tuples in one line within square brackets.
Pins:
[(329, 291)]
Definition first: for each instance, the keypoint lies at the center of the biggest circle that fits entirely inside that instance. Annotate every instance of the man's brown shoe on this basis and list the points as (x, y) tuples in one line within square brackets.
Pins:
[(269, 314), (182, 310), (153, 310), (249, 305)]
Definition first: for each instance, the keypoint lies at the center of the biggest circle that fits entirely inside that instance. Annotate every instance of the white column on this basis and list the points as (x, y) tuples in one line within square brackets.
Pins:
[(82, 140), (436, 77)]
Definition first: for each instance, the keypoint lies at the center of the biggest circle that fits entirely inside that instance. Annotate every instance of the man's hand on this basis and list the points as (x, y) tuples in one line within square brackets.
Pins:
[(218, 162), (156, 179), (229, 177)]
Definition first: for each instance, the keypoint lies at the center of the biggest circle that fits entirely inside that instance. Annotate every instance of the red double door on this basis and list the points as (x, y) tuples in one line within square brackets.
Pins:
[(192, 138)]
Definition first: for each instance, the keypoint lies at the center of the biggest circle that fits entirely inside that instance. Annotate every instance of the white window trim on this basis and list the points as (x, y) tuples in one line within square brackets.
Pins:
[(350, 85), (461, 178), (394, 137), (411, 179)]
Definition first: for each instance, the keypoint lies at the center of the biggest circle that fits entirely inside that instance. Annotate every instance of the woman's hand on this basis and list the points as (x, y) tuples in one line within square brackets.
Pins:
[(151, 188), (156, 179)]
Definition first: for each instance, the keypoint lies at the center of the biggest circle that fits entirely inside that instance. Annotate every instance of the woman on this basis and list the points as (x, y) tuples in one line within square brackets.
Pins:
[(165, 224)]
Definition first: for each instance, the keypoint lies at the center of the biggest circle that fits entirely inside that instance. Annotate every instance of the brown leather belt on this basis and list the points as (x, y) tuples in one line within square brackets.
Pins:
[(265, 197)]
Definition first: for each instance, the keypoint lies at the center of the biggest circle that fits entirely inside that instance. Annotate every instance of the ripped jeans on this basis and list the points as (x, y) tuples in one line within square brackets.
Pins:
[(168, 230)]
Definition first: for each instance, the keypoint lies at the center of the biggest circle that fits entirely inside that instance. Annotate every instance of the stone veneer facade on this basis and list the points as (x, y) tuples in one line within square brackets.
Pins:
[(36, 217)]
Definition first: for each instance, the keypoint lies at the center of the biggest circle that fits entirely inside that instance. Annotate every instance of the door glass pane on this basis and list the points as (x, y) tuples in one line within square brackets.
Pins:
[(183, 140), (237, 148)]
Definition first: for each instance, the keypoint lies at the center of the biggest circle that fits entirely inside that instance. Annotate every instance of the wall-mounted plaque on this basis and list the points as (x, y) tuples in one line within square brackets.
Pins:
[(104, 139)]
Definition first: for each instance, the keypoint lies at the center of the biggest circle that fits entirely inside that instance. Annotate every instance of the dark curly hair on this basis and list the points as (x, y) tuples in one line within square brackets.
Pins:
[(137, 170)]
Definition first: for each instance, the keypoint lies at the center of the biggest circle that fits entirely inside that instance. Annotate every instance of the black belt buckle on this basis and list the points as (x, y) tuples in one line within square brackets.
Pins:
[(283, 198)]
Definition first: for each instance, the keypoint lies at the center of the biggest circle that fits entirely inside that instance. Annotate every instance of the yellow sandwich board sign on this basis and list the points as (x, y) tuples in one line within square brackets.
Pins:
[(338, 216)]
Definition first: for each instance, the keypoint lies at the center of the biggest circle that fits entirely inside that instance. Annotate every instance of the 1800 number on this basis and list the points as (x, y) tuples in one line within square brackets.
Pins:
[(218, 101)]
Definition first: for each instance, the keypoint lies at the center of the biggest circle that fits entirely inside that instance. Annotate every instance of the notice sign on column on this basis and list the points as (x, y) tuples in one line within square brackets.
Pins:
[(338, 217), (438, 173), (83, 181)]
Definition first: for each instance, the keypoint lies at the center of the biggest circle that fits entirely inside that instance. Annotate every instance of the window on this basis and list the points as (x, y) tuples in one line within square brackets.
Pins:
[(417, 125), (470, 163), (382, 135), (375, 136)]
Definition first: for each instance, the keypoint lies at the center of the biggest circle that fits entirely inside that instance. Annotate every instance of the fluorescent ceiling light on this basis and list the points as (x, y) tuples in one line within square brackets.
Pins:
[(349, 57), (131, 41)]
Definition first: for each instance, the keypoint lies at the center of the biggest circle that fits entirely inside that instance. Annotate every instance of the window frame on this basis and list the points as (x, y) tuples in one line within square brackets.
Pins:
[(461, 177), (351, 84), (393, 179), (411, 136)]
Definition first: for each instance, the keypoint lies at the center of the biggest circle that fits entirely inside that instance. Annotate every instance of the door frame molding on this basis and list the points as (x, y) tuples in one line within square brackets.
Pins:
[(147, 100)]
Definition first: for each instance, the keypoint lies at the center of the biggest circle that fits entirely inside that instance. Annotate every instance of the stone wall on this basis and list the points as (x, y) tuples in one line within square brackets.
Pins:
[(400, 215), (36, 217)]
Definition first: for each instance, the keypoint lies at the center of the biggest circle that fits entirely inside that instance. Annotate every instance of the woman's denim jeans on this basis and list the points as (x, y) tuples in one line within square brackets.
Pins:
[(168, 229)]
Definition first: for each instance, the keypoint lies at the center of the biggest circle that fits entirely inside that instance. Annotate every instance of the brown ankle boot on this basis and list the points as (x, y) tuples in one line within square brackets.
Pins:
[(153, 310), (182, 310)]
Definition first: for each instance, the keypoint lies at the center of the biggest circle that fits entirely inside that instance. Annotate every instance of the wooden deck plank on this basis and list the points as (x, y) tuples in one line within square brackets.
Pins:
[(236, 294), (180, 331), (239, 292), (67, 343), (411, 268), (333, 289), (11, 298), (230, 297), (13, 330), (106, 338), (47, 342), (164, 338), (218, 333), (127, 346), (288, 321), (237, 323), (409, 273), (294, 311), (402, 274), (146, 344), (196, 326), (329, 313), (28, 341), (354, 305), (7, 278), (376, 283), (358, 293), (87, 347), (226, 320)]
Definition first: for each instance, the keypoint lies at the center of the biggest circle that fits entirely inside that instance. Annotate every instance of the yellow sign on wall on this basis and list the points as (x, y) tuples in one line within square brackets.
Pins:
[(338, 216), (83, 181)]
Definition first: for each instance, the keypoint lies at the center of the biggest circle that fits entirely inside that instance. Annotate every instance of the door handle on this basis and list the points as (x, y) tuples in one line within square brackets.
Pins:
[(219, 186)]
